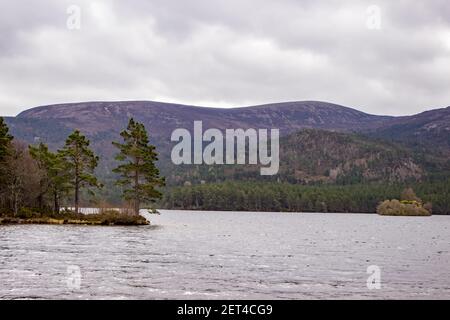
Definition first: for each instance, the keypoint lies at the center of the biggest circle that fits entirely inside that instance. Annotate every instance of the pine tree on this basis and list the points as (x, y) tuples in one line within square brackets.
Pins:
[(5, 151), (5, 140), (55, 178), (81, 163), (409, 195), (139, 174)]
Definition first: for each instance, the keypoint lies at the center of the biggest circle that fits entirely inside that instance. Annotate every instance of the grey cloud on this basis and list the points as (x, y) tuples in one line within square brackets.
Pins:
[(227, 53)]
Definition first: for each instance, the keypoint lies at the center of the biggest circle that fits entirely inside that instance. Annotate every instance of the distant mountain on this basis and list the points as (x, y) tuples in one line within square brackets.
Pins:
[(162, 118), (330, 155), (429, 130)]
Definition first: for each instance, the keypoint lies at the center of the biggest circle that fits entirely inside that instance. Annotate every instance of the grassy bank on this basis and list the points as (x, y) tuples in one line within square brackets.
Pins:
[(109, 218)]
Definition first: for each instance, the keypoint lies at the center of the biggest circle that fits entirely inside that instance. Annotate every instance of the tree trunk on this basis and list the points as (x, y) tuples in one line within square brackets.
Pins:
[(41, 201), (15, 202), (15, 196), (137, 202), (56, 208), (16, 206), (137, 206), (77, 196), (77, 188), (77, 181)]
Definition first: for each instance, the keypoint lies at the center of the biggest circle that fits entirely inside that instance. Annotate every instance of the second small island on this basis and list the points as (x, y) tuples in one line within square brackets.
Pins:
[(408, 205)]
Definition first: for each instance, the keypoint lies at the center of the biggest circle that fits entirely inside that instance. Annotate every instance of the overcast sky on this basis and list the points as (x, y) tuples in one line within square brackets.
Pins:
[(382, 57)]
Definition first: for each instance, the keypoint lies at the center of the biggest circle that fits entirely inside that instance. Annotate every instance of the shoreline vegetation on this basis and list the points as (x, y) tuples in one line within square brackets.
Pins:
[(35, 181), (107, 218)]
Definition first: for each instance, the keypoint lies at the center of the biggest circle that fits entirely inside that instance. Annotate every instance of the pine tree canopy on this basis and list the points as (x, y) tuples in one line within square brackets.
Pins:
[(5, 139), (138, 172)]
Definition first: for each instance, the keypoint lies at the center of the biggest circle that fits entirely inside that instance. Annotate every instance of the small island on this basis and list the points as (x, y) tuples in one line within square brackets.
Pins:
[(408, 205), (35, 181), (106, 218)]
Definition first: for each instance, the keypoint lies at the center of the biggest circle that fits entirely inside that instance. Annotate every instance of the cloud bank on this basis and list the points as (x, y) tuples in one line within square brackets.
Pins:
[(382, 57)]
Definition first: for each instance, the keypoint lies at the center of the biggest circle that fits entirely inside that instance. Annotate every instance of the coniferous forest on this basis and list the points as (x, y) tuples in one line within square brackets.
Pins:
[(274, 197), (37, 179)]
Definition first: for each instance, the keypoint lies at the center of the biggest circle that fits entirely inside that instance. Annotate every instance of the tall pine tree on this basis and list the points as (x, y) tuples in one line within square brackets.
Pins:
[(81, 163), (54, 178), (138, 175), (5, 151), (5, 140)]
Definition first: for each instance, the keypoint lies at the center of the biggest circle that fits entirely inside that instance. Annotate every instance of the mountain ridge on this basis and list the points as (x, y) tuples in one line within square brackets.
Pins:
[(427, 132), (162, 117), (287, 116), (97, 117), (276, 104)]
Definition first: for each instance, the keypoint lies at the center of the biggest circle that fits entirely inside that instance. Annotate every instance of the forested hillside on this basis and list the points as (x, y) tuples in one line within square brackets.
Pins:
[(332, 158), (316, 156), (258, 196)]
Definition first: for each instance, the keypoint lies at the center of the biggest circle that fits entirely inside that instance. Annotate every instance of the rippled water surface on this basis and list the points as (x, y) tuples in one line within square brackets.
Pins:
[(230, 255)]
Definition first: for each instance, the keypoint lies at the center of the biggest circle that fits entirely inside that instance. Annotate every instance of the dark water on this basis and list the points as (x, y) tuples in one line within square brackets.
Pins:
[(229, 255)]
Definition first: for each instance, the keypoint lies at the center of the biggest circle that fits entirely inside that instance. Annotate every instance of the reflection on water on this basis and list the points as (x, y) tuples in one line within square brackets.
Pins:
[(229, 255)]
